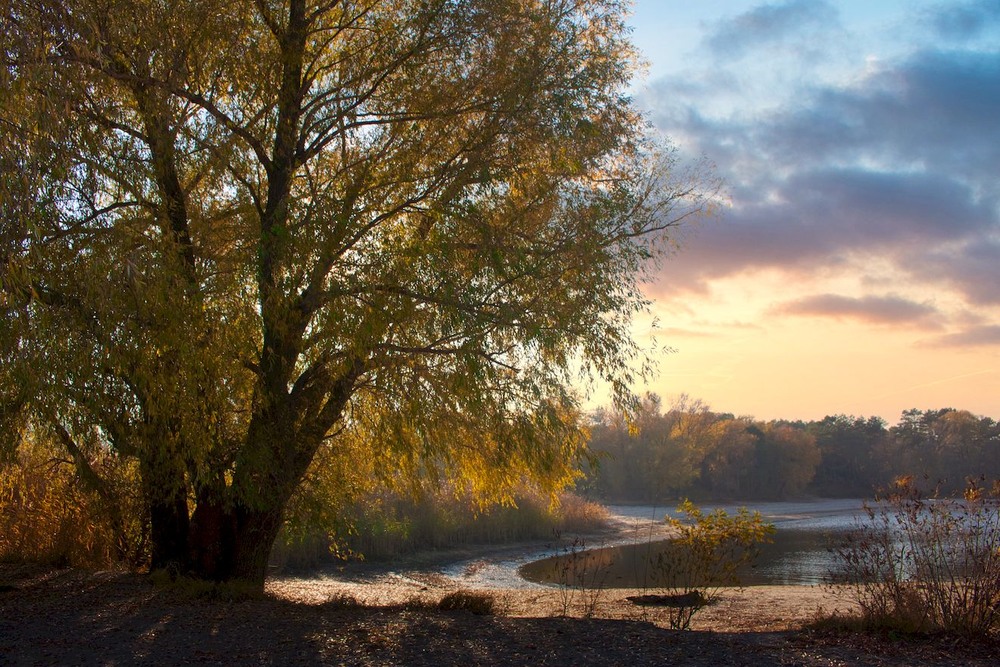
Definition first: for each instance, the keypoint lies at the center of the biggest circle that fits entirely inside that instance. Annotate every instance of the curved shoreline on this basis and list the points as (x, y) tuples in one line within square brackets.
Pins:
[(428, 576), (493, 566), (497, 566)]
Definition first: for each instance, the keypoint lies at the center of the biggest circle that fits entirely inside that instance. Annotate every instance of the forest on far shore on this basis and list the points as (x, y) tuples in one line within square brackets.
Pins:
[(687, 450), (49, 514)]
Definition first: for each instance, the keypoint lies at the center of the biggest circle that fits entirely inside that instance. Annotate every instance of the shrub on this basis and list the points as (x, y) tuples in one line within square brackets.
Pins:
[(921, 564), (478, 602), (583, 570), (707, 555), (343, 601), (576, 514)]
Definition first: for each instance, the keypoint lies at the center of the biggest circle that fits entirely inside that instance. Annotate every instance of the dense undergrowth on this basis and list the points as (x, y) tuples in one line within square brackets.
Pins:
[(49, 514), (388, 526)]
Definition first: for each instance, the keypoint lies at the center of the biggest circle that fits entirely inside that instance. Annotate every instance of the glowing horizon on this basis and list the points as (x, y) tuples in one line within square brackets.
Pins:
[(857, 270)]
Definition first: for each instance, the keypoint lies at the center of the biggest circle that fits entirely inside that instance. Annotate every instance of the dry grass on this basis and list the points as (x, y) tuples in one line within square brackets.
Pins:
[(482, 603)]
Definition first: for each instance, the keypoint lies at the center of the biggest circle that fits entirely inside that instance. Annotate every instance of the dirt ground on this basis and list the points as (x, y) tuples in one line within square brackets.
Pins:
[(752, 609), (72, 617)]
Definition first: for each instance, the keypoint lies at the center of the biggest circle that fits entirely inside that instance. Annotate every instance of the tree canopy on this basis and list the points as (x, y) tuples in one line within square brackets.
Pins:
[(237, 234)]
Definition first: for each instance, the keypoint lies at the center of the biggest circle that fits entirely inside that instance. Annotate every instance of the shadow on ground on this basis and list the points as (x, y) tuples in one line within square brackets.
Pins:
[(72, 617)]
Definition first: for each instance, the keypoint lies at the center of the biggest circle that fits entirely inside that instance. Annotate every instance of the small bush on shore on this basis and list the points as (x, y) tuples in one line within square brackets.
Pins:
[(705, 557), (583, 571), (919, 564)]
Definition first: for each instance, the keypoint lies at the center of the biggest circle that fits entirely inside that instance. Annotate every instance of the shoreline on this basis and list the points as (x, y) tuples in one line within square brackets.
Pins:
[(387, 614), (461, 564), (80, 617), (426, 577)]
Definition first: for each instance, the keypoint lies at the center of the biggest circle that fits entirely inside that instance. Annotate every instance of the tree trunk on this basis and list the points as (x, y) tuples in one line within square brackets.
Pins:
[(211, 540), (169, 527), (234, 526), (168, 515), (256, 531), (233, 545)]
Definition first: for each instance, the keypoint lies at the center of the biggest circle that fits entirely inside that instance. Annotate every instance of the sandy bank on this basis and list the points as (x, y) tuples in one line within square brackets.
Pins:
[(757, 608), (427, 577)]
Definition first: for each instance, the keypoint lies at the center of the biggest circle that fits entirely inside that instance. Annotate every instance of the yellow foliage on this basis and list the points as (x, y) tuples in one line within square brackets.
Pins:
[(46, 515), (707, 554)]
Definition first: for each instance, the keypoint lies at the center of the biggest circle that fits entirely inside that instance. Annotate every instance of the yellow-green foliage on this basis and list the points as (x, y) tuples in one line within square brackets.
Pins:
[(707, 555), (372, 496), (47, 514), (387, 525), (224, 251), (714, 546)]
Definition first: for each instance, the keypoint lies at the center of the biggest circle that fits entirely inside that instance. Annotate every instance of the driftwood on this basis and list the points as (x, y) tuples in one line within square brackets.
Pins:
[(692, 599)]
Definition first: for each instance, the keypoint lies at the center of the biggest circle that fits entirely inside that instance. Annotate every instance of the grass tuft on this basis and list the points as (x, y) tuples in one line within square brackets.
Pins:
[(477, 602), (200, 589)]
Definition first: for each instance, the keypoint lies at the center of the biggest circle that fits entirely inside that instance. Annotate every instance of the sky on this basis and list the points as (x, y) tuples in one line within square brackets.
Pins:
[(855, 268)]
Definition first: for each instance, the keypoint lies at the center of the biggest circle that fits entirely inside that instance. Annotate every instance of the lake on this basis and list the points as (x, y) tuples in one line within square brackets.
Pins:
[(799, 554)]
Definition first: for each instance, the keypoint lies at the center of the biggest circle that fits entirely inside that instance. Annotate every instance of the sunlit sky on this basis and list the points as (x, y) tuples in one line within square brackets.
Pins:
[(856, 268)]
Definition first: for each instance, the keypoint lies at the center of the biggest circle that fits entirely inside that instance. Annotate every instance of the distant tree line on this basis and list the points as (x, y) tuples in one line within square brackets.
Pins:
[(688, 450)]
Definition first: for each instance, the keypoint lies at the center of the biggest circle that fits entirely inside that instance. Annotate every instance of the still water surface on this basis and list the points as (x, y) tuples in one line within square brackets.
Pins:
[(800, 553)]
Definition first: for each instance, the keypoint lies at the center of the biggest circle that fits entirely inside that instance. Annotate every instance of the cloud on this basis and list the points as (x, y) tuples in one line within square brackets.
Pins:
[(900, 164), (972, 267), (769, 25), (981, 336), (936, 111), (964, 21), (871, 309), (835, 217)]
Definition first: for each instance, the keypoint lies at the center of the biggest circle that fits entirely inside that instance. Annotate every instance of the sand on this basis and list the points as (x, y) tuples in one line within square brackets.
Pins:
[(756, 608)]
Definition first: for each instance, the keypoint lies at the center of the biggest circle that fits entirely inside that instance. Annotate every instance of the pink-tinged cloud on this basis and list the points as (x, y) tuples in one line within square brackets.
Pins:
[(901, 165), (972, 267), (889, 310), (981, 336)]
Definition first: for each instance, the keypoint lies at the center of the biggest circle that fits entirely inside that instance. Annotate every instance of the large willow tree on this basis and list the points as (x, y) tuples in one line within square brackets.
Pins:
[(240, 233)]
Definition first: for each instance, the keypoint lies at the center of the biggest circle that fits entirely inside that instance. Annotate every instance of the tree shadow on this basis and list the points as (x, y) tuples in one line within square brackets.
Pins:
[(123, 619)]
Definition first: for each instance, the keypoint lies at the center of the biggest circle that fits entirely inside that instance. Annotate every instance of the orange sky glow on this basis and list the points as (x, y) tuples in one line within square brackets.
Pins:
[(856, 266)]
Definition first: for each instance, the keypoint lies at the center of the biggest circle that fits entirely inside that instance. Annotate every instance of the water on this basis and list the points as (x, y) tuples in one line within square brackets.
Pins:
[(799, 555), (834, 514)]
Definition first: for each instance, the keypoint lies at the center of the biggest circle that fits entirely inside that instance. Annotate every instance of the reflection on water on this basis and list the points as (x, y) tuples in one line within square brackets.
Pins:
[(800, 553)]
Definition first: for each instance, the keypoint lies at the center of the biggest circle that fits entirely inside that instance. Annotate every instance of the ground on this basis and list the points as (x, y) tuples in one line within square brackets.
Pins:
[(72, 617), (757, 608)]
